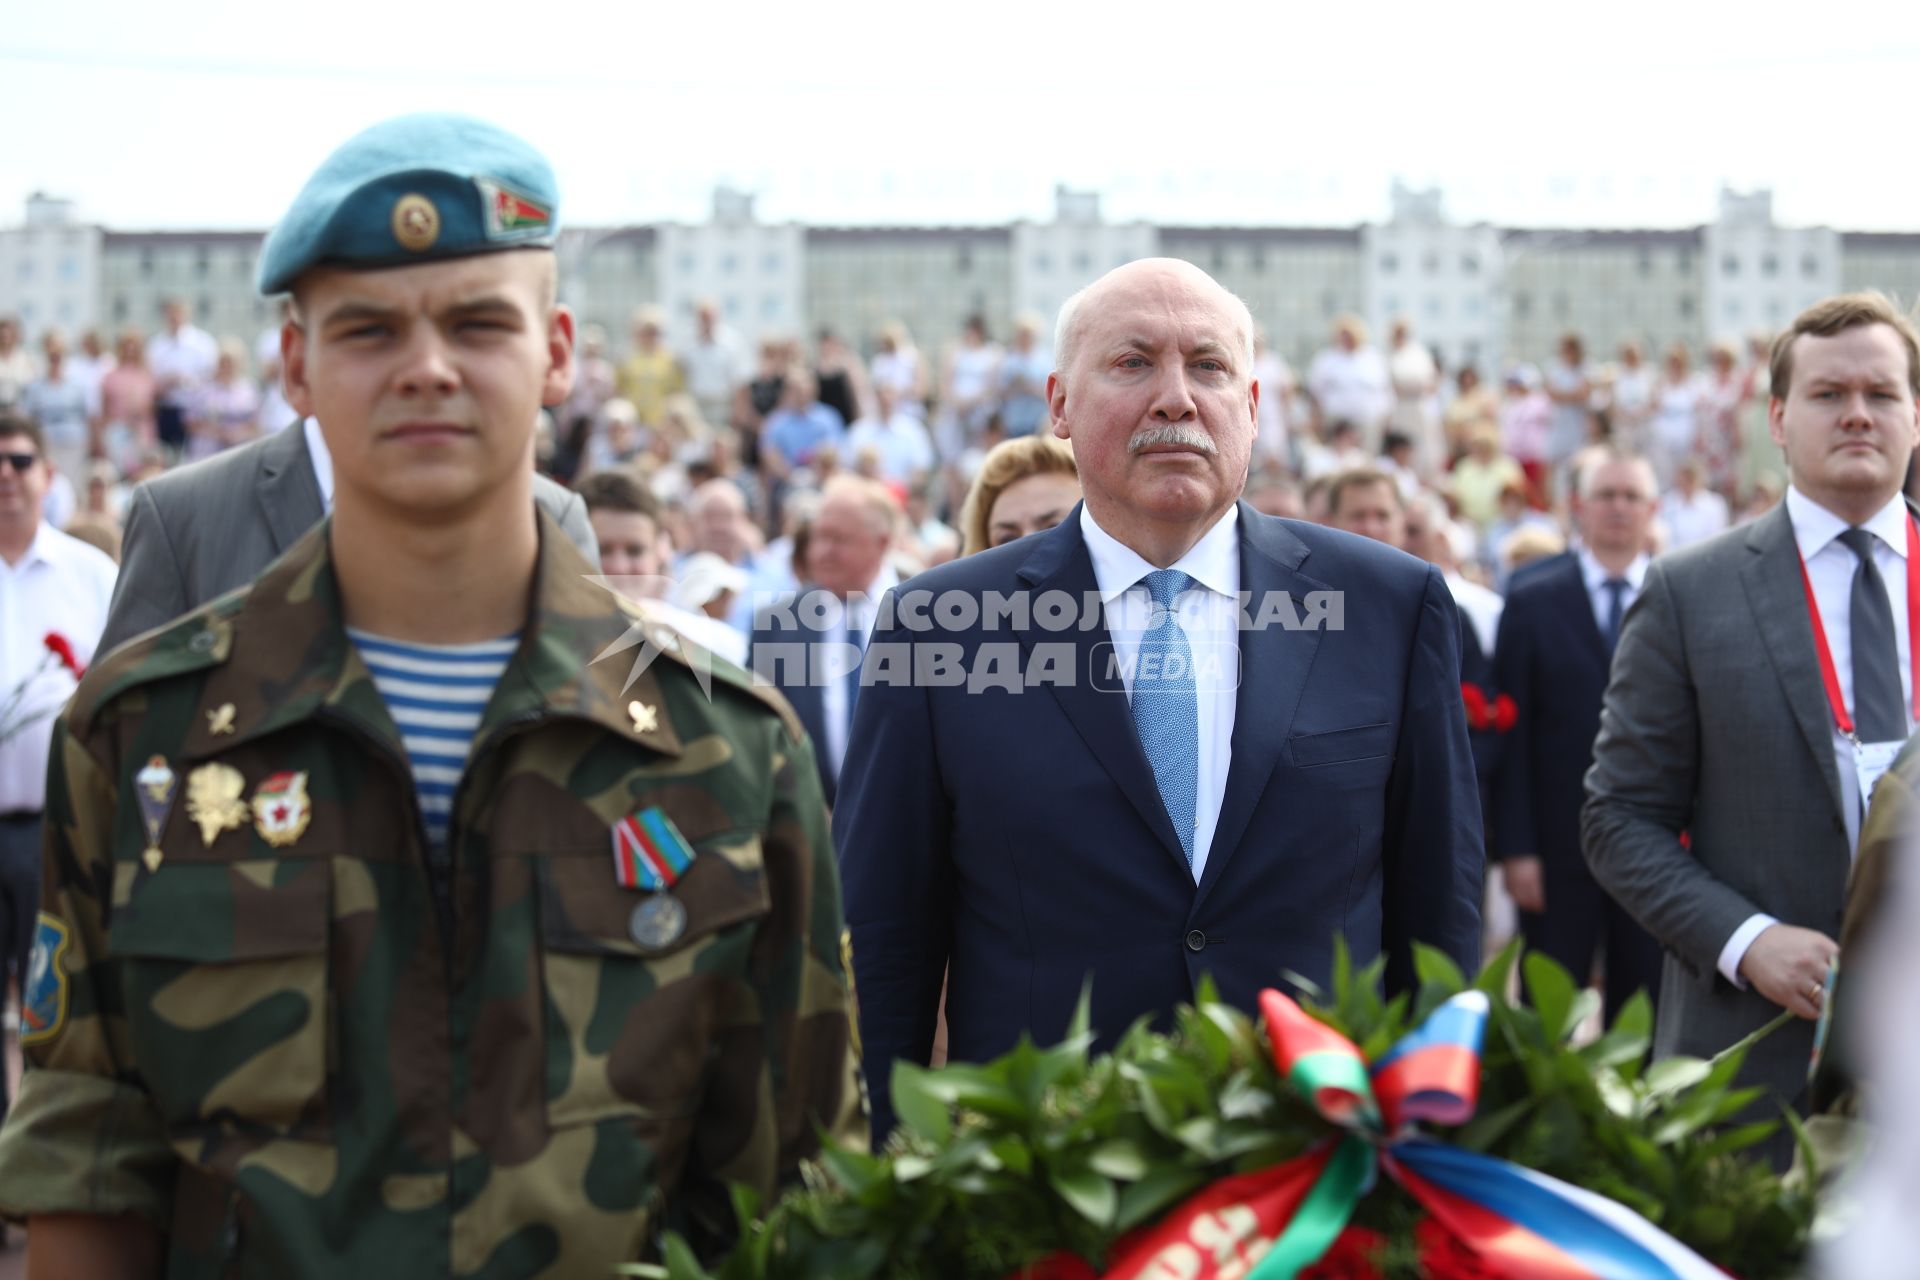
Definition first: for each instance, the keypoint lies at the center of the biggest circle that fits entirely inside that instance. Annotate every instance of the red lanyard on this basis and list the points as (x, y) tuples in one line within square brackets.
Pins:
[(1831, 677)]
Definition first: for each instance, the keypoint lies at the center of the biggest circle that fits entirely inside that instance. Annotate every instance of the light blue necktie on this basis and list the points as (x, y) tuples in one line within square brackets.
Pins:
[(1166, 708)]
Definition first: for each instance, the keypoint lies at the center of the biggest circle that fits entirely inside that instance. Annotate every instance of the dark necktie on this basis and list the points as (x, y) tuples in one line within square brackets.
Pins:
[(1616, 589), (857, 637), (1879, 707)]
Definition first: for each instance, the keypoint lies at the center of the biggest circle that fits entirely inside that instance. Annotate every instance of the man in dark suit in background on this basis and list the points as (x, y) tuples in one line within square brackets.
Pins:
[(1169, 737), (1728, 716), (1557, 635), (808, 645), (199, 531)]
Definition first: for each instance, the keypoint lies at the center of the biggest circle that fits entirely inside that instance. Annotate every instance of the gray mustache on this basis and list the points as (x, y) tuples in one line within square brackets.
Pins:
[(1173, 433)]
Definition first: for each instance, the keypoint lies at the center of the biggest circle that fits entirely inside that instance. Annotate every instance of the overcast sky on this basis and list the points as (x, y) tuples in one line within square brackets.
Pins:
[(210, 113)]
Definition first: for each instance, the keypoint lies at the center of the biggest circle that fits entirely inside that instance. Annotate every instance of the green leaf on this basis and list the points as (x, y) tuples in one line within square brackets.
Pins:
[(1120, 1159), (1738, 1138), (1671, 1075), (1550, 990), (1430, 964), (917, 1105), (855, 1170), (1154, 1194), (1585, 1005), (681, 1264), (1487, 1128), (1091, 1196), (1496, 975)]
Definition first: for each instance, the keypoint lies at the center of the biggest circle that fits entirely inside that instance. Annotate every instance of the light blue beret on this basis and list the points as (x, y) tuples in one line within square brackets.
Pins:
[(415, 189)]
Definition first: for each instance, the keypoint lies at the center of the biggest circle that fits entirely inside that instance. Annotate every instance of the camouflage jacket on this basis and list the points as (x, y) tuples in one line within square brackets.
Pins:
[(252, 1031)]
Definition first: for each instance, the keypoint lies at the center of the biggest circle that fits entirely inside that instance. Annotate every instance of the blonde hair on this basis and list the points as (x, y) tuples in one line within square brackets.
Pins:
[(1006, 464)]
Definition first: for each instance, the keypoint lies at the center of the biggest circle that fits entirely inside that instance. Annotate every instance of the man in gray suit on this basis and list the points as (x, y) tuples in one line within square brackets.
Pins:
[(200, 531), (1763, 681)]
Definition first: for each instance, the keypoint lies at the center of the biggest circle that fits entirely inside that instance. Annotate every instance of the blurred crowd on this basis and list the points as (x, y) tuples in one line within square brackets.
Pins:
[(730, 445)]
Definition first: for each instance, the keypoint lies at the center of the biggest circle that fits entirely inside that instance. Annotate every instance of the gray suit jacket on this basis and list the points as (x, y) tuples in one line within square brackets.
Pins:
[(1716, 724), (201, 530)]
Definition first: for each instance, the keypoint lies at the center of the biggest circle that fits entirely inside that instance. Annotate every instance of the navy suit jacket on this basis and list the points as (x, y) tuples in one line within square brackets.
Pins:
[(1551, 660), (775, 654), (1018, 836)]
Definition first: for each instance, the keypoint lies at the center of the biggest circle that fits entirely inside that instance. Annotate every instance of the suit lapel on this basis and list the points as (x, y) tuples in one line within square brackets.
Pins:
[(288, 494), (1777, 598), (1097, 706), (1577, 607), (1274, 663)]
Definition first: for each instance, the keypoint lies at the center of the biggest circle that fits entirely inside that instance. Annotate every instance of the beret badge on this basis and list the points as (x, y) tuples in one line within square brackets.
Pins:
[(416, 223)]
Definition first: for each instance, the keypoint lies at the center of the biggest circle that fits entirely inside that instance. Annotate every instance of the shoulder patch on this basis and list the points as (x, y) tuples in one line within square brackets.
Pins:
[(43, 1000), (192, 642)]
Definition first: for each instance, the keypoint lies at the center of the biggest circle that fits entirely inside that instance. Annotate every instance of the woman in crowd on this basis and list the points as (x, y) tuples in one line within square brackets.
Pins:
[(967, 388), (1023, 486), (127, 392), (897, 364), (1676, 413), (226, 411)]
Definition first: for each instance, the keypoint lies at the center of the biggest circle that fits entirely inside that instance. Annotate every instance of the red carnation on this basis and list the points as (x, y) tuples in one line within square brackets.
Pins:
[(1351, 1256), (1476, 701), (59, 647), (1504, 713)]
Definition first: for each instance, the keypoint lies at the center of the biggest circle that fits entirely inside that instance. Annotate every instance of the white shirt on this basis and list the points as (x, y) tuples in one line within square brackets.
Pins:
[(865, 607), (1210, 617), (186, 359), (1595, 575), (322, 461), (901, 441), (63, 585), (1830, 567), (1482, 606), (1691, 520)]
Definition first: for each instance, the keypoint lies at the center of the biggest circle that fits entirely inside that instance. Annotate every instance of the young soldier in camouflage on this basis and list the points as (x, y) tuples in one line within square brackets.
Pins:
[(305, 1005)]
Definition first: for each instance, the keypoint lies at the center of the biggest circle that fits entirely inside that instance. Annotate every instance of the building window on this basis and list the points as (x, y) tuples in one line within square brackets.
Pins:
[(1469, 264), (1219, 260), (146, 262), (1435, 308), (1730, 265), (1810, 266), (1042, 263), (770, 264), (203, 308), (200, 263), (120, 309), (1732, 309), (1522, 304), (1683, 262), (1430, 264), (1471, 305), (1643, 262), (1686, 306), (1389, 263), (1390, 304), (689, 263), (69, 270), (770, 307), (24, 270), (1082, 262), (728, 264), (1258, 260), (963, 259), (1770, 265)]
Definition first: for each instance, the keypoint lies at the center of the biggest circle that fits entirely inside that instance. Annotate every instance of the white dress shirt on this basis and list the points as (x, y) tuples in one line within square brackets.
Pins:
[(1830, 567), (1595, 575), (61, 584), (1210, 617), (833, 693), (322, 461)]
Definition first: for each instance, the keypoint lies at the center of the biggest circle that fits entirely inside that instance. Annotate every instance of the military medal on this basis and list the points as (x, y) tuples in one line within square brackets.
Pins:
[(645, 718), (658, 922), (213, 800), (648, 851), (220, 719), (154, 788), (281, 808)]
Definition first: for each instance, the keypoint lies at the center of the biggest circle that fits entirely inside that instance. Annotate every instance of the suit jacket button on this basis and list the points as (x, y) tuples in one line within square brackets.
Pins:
[(1196, 941)]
